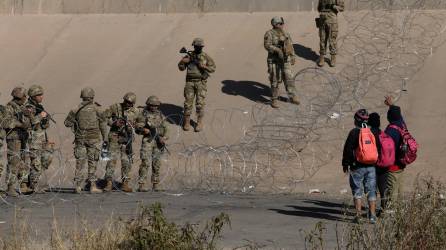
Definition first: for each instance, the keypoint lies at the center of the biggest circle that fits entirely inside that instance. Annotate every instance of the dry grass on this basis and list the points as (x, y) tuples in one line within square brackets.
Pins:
[(149, 230)]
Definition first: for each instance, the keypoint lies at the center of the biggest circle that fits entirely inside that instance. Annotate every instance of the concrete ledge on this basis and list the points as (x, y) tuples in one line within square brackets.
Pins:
[(19, 7)]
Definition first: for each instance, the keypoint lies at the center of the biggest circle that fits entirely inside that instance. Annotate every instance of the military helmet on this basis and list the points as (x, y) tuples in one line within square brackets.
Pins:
[(87, 93), (18, 92), (130, 97), (153, 101), (35, 90), (198, 42), (276, 20)]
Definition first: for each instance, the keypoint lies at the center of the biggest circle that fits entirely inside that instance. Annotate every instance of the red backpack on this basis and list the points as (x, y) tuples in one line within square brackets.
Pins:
[(387, 157), (409, 146), (366, 153)]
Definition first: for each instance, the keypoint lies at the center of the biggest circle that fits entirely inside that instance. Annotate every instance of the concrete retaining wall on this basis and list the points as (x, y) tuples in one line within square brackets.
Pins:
[(19, 7)]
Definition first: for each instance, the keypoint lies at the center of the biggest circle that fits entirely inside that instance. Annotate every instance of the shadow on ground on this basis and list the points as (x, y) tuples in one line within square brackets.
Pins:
[(254, 91), (305, 52), (318, 210), (172, 112)]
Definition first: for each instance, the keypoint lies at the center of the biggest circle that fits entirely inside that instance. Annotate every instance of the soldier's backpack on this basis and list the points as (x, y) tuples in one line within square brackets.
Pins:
[(86, 118), (387, 156), (408, 148), (367, 152)]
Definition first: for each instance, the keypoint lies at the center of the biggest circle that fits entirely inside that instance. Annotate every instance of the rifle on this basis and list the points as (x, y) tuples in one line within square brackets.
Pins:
[(194, 60), (156, 137), (40, 109), (128, 136)]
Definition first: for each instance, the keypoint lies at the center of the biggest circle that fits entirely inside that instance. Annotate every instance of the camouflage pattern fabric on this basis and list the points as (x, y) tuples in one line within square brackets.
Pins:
[(196, 80), (40, 152), (16, 124), (2, 136), (279, 61), (328, 28), (121, 122), (151, 150), (89, 126)]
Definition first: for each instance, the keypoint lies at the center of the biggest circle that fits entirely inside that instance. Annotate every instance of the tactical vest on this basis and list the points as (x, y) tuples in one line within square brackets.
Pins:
[(87, 118), (326, 5), (193, 71), (154, 120)]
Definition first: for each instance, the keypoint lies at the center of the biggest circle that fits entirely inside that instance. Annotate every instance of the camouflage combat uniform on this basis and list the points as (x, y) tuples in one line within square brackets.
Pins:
[(40, 149), (121, 121), (196, 82), (88, 124), (151, 148), (16, 126), (328, 27), (2, 136), (281, 57)]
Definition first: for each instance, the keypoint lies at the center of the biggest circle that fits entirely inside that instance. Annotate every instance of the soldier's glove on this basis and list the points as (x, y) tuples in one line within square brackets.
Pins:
[(345, 169), (120, 123), (202, 65), (293, 60), (335, 8), (146, 131), (161, 141), (105, 144)]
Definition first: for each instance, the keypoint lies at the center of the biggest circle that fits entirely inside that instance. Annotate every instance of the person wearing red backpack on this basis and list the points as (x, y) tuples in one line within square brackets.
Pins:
[(361, 152), (395, 175)]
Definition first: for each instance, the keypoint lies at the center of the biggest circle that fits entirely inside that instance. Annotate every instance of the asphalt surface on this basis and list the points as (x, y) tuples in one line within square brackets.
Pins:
[(269, 221)]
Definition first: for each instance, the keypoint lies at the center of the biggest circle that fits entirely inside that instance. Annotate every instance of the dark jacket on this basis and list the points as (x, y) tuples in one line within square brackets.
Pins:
[(350, 146), (395, 118)]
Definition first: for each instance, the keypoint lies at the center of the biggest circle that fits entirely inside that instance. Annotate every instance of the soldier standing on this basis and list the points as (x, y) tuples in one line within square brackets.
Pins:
[(152, 126), (328, 28), (199, 66), (281, 57), (16, 126), (121, 119), (2, 135), (88, 124), (40, 149)]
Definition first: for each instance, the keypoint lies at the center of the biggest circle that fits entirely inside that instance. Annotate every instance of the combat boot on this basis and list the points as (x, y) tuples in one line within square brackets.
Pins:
[(199, 126), (11, 191), (142, 188), (77, 190), (186, 123), (333, 61), (295, 100), (24, 189), (321, 61), (155, 187), (94, 189), (108, 186), (125, 187)]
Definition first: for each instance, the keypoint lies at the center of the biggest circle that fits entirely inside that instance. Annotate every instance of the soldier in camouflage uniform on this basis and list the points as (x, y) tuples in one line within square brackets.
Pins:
[(199, 66), (2, 136), (121, 118), (16, 126), (281, 57), (89, 126), (152, 126), (40, 149), (328, 28)]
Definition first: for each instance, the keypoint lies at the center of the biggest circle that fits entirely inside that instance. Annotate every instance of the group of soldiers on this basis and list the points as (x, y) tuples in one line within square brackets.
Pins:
[(24, 121)]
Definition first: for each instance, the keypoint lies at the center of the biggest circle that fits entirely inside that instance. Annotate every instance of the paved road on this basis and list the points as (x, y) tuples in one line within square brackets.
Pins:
[(272, 221)]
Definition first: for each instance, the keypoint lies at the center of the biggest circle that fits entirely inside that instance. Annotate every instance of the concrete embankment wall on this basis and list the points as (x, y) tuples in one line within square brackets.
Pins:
[(19, 7)]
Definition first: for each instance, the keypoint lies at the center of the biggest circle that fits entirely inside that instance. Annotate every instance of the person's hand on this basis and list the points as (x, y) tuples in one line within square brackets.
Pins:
[(186, 59), (162, 140), (43, 114), (388, 101), (202, 65), (146, 131), (335, 8), (293, 60), (345, 169), (120, 123)]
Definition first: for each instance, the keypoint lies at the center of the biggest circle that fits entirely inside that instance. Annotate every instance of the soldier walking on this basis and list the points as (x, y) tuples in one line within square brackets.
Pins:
[(281, 57), (16, 126), (199, 66), (121, 118), (89, 126), (328, 28), (2, 136), (40, 149), (152, 126)]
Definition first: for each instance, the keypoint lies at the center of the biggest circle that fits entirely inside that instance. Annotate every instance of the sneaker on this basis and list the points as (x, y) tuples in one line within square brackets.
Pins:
[(373, 219)]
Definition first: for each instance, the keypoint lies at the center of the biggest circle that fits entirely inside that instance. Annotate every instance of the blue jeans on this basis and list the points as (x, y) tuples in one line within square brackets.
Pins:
[(363, 179)]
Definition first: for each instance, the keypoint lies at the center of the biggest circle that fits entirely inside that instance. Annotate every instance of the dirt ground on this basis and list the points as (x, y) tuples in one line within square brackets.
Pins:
[(246, 146)]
